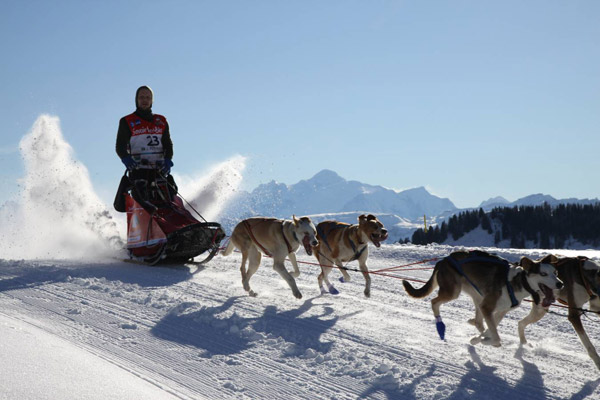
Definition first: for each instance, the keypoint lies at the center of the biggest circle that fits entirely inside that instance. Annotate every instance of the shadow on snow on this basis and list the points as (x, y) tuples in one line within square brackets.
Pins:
[(209, 329), (15, 275)]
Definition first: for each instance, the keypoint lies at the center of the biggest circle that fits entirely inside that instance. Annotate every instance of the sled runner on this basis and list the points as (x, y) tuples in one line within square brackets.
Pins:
[(159, 227)]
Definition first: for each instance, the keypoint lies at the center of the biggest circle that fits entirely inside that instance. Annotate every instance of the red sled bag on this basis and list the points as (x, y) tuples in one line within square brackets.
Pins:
[(160, 228)]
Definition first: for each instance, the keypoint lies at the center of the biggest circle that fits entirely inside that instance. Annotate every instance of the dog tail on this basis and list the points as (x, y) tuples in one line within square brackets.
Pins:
[(424, 290), (229, 249)]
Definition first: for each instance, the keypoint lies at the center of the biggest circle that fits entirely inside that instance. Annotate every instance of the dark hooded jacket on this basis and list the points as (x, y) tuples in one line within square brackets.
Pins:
[(124, 133)]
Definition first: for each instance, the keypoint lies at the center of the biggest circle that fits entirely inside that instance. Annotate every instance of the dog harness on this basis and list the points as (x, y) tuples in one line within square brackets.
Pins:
[(249, 229), (337, 225), (479, 256), (592, 292)]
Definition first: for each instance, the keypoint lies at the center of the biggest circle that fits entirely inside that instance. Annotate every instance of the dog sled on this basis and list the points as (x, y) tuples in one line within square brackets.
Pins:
[(159, 228)]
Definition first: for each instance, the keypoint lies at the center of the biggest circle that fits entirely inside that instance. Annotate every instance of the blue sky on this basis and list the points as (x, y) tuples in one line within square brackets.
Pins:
[(471, 99)]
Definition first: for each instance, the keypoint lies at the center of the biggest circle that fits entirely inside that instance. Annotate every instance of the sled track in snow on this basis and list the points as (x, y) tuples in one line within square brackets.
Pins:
[(170, 342), (106, 340), (110, 334)]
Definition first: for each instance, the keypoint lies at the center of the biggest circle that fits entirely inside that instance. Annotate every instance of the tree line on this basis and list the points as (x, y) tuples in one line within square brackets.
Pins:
[(542, 226)]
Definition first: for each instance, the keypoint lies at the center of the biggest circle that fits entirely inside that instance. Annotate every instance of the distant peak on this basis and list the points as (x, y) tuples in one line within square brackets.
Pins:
[(326, 173), (420, 189), (498, 199), (326, 176), (537, 196), (494, 201)]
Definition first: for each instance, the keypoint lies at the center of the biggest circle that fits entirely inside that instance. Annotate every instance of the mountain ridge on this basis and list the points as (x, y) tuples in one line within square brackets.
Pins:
[(327, 195), (327, 192)]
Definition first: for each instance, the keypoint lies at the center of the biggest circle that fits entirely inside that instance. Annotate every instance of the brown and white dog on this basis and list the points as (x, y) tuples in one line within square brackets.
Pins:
[(273, 237), (581, 277), (493, 283), (340, 242)]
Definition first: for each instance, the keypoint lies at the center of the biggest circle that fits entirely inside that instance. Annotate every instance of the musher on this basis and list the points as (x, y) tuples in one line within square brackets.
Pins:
[(144, 145)]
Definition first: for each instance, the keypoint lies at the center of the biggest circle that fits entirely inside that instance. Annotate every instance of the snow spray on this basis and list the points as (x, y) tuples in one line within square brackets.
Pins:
[(210, 192), (57, 214)]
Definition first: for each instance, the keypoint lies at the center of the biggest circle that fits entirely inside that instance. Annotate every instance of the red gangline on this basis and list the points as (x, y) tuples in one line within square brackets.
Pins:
[(406, 265)]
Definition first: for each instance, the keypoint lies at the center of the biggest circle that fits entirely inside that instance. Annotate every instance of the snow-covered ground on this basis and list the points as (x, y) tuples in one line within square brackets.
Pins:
[(98, 329), (102, 328)]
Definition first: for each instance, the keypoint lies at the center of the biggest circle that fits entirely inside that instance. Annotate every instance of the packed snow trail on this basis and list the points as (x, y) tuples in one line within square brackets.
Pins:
[(193, 332)]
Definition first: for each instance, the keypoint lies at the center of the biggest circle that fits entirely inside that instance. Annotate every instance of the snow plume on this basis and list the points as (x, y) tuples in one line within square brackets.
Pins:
[(210, 193), (58, 214)]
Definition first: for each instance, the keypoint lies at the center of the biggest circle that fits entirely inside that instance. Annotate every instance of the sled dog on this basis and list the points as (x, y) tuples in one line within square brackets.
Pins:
[(340, 242), (273, 237), (581, 278), (494, 285)]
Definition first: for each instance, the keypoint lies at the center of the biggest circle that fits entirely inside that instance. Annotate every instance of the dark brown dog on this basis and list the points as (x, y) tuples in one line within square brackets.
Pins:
[(484, 278), (581, 277)]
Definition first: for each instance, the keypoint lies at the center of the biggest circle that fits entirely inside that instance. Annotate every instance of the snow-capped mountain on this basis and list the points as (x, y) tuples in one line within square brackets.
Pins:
[(329, 196)]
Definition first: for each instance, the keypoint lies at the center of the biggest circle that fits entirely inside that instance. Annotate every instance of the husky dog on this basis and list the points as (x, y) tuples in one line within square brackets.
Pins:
[(273, 237), (581, 277), (340, 242), (494, 285)]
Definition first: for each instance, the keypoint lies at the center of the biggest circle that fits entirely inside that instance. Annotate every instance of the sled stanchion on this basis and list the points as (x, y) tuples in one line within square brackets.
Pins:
[(182, 198)]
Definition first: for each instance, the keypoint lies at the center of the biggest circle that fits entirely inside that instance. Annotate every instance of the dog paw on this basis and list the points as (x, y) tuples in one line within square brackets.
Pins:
[(475, 340), (367, 293), (487, 335), (298, 295), (252, 293), (333, 290), (489, 341)]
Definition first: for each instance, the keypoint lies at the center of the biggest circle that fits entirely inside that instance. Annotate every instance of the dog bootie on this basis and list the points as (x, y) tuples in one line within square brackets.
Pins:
[(440, 326)]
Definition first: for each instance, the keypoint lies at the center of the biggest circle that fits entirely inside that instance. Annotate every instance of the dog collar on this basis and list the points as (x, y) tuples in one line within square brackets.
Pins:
[(289, 246), (533, 293)]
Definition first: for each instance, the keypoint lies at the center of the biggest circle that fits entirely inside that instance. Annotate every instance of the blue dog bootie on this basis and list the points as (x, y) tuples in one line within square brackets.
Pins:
[(440, 326)]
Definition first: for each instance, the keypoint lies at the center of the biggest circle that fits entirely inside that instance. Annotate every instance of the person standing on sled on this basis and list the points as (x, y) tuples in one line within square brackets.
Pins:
[(144, 146)]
